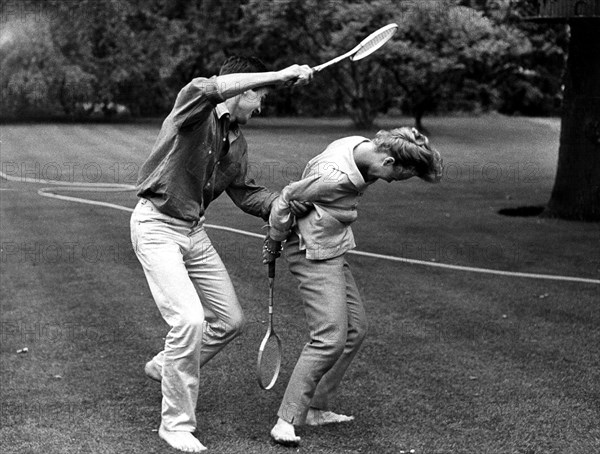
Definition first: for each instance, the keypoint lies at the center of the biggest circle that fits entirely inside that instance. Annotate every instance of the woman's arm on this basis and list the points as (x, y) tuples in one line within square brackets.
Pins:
[(315, 188)]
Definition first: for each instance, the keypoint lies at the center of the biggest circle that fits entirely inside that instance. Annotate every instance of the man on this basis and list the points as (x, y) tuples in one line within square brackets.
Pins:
[(200, 153)]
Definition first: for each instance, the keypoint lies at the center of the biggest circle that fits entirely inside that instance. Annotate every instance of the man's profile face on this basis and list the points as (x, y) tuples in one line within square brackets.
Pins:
[(251, 102)]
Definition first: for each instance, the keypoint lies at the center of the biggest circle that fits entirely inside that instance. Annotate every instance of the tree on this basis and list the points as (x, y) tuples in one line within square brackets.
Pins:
[(576, 192), (466, 55), (443, 57), (531, 83), (450, 57), (312, 32), (119, 42), (36, 79), (286, 32), (366, 86), (200, 36)]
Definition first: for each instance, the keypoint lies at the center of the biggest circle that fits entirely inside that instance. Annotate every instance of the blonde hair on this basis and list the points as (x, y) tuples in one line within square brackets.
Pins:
[(411, 150)]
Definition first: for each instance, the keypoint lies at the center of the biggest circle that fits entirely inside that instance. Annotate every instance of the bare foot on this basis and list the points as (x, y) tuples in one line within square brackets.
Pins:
[(184, 441), (284, 434), (320, 417)]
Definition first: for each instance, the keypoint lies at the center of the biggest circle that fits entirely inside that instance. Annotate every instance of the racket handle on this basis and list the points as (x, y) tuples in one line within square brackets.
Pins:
[(272, 270), (291, 82)]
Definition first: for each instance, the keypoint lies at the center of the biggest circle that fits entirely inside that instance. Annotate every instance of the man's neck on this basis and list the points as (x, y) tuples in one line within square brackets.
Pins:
[(231, 105)]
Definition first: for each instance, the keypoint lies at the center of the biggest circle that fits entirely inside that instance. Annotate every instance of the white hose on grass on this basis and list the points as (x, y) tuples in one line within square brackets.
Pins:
[(114, 187)]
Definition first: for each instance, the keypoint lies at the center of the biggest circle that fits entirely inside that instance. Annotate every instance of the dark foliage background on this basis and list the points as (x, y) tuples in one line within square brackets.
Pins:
[(129, 58)]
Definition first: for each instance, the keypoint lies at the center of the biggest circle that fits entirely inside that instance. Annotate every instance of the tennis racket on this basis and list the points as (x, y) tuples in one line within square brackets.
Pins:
[(366, 47), (269, 352)]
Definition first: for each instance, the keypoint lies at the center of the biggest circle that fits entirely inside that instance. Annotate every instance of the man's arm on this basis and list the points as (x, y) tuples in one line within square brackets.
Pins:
[(247, 195), (251, 198), (198, 98), (231, 85)]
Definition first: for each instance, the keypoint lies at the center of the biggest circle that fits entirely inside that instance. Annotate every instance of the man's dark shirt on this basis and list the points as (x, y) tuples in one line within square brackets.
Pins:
[(197, 157)]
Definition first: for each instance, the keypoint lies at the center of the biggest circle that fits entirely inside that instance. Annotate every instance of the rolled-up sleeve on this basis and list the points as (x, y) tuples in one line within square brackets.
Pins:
[(196, 101), (315, 188)]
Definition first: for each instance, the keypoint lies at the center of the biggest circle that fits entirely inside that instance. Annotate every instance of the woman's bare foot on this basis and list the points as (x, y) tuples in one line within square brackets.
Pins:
[(321, 417)]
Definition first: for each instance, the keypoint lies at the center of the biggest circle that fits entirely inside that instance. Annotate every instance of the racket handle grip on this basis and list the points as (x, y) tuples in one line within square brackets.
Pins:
[(272, 270), (290, 83)]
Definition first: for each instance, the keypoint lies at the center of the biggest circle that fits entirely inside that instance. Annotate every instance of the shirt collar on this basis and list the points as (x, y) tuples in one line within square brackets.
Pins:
[(339, 155), (221, 110), (349, 167), (233, 131)]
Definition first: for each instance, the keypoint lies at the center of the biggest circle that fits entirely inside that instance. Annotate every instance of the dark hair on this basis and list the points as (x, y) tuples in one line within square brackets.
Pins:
[(411, 149), (237, 64)]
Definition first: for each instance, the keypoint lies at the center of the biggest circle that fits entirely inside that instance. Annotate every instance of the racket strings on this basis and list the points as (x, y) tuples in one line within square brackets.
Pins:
[(374, 43), (270, 361)]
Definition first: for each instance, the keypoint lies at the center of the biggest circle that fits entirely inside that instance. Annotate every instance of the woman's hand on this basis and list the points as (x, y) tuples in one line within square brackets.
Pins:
[(271, 250)]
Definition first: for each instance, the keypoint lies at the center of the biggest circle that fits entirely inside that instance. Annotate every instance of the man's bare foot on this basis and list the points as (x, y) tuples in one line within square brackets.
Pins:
[(184, 441), (284, 434), (320, 417)]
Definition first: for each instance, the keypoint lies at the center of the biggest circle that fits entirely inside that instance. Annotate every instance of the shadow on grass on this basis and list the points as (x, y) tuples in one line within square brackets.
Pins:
[(525, 211)]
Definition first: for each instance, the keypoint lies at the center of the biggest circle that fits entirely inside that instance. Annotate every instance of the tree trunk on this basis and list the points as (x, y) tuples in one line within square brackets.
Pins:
[(360, 113), (418, 114), (419, 122), (576, 193)]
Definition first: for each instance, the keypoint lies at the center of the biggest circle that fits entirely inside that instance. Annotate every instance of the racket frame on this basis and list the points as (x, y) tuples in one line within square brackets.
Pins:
[(359, 46), (270, 333)]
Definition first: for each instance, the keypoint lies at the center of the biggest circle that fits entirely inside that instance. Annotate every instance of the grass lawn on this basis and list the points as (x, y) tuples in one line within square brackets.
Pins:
[(455, 362)]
